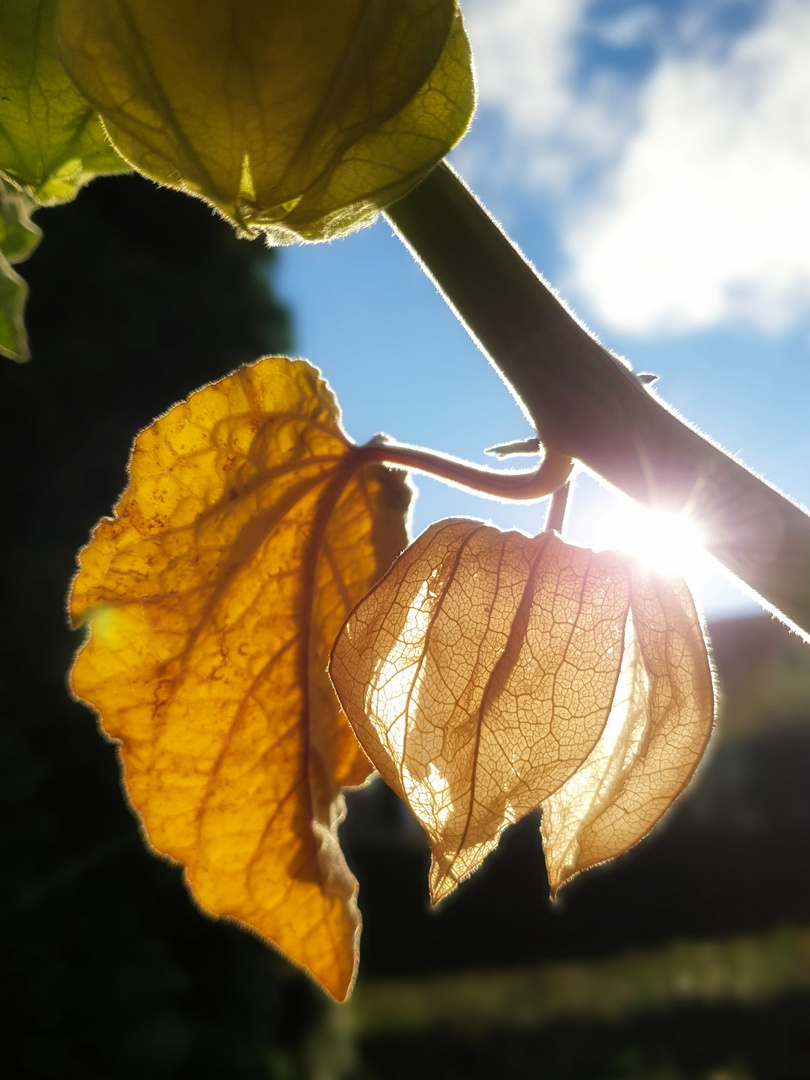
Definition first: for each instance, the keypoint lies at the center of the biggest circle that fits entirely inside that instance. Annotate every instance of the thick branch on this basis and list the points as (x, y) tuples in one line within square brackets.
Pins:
[(587, 404)]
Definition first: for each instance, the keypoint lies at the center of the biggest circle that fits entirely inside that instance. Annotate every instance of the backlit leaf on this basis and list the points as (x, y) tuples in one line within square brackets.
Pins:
[(51, 140), (243, 540), (296, 118), (18, 238), (18, 233), (13, 294), (488, 669)]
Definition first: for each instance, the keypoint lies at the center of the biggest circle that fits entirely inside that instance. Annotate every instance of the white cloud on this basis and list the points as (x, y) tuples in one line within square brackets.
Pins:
[(525, 53), (700, 212), (707, 217)]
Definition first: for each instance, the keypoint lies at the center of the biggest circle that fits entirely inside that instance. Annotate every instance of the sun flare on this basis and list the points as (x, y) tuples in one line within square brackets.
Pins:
[(668, 543)]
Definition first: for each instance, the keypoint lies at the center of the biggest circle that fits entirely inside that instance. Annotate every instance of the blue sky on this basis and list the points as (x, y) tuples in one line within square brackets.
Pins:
[(653, 161)]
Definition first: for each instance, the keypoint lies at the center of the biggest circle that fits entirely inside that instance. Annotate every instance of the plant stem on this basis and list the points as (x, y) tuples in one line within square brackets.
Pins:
[(556, 512), (587, 404), (526, 486)]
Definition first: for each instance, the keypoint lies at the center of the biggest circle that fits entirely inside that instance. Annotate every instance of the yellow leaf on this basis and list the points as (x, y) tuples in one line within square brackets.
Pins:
[(487, 669), (296, 118), (213, 595)]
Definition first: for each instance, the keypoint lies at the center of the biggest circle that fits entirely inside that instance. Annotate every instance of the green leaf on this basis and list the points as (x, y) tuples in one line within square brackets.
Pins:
[(18, 233), (296, 118), (13, 292), (18, 238), (51, 140), (395, 156)]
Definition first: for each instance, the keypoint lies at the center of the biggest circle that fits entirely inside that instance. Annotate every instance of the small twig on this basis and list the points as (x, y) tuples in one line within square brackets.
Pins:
[(556, 511), (523, 446)]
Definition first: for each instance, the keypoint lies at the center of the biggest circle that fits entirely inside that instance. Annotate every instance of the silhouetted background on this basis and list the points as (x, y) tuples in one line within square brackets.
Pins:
[(689, 958)]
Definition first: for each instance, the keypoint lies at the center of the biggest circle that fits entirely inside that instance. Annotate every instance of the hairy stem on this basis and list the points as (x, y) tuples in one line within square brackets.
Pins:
[(587, 404), (526, 486)]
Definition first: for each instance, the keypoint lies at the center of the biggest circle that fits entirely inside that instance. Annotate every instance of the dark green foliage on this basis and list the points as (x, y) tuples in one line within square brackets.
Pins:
[(108, 971), (685, 1043)]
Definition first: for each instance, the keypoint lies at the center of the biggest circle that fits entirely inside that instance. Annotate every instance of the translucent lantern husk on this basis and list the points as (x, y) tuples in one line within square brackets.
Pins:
[(294, 118)]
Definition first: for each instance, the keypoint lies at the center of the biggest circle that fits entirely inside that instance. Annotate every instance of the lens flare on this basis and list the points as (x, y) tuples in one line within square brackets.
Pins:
[(666, 542)]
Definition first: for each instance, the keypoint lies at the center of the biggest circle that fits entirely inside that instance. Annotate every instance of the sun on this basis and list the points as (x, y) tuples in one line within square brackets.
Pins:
[(665, 542)]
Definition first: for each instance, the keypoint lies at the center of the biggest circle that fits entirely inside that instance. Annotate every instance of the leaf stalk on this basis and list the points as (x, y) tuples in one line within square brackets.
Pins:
[(525, 486)]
